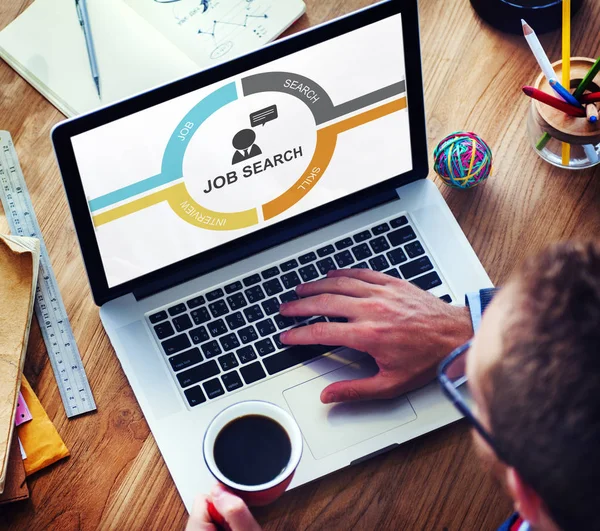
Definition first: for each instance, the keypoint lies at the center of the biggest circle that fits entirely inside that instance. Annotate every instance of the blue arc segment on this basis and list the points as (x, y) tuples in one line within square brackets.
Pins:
[(172, 163), (128, 191)]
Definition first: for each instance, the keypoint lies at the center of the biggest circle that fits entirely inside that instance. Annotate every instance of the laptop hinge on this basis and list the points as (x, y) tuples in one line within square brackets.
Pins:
[(231, 252)]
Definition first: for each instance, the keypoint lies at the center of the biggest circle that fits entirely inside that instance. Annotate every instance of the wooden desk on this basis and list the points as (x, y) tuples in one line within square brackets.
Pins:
[(116, 478)]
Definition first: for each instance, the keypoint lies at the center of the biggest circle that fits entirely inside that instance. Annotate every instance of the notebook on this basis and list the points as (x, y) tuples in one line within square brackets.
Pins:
[(19, 261), (140, 44)]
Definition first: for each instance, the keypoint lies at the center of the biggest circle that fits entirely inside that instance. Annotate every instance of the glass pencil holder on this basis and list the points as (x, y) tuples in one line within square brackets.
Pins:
[(557, 137)]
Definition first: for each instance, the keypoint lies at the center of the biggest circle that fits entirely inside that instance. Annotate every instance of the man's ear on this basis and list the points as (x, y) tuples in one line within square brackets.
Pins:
[(527, 502)]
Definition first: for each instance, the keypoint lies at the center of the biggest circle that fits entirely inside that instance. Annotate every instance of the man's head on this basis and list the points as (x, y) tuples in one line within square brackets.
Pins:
[(534, 371)]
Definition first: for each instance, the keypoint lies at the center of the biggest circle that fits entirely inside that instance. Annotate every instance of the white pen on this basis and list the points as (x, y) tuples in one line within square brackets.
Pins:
[(84, 20), (538, 51)]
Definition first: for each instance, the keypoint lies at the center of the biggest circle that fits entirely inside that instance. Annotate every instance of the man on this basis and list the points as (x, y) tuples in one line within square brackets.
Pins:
[(533, 372)]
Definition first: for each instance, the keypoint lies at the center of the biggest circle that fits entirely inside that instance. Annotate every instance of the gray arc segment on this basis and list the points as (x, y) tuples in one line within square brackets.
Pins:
[(369, 99), (306, 90), (314, 95)]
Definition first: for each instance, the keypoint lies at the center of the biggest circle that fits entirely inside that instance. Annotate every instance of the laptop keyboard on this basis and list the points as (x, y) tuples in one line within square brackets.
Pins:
[(223, 339)]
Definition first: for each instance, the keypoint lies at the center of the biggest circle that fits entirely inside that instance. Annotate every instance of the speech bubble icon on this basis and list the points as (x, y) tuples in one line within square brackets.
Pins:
[(264, 116)]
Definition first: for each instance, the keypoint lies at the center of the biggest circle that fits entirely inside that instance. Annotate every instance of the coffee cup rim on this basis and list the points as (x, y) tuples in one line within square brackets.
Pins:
[(253, 407)]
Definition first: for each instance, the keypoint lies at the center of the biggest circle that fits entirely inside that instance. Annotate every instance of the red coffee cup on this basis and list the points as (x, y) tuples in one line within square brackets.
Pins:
[(264, 493)]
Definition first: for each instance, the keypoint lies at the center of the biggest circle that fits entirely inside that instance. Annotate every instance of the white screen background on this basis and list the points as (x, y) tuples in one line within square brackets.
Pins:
[(131, 149)]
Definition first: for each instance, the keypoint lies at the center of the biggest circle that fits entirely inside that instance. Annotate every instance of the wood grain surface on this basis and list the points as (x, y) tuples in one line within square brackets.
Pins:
[(115, 477)]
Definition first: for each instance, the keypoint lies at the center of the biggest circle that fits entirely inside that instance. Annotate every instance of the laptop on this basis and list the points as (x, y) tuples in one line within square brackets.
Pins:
[(200, 206)]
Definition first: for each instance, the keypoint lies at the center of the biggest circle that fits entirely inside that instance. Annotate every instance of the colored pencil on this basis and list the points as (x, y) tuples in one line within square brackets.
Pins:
[(546, 98), (543, 142), (592, 97), (592, 113), (589, 77), (564, 93), (566, 67), (538, 51), (591, 153)]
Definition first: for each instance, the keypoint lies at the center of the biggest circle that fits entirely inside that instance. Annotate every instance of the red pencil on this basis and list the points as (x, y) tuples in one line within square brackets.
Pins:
[(590, 98), (546, 98)]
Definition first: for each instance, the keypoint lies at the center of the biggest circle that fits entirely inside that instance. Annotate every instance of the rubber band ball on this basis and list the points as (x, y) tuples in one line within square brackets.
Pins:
[(463, 160)]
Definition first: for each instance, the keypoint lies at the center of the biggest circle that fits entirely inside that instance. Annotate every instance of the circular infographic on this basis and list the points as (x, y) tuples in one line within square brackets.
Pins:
[(248, 152), (237, 167)]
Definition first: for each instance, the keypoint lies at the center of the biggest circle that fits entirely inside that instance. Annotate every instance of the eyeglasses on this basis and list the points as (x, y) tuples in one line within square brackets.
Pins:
[(453, 379)]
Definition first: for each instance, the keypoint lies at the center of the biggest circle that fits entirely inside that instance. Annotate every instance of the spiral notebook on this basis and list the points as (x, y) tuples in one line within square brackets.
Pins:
[(139, 44)]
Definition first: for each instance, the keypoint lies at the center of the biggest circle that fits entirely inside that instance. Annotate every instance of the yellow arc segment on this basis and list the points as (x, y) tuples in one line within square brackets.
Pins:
[(186, 208), (131, 207)]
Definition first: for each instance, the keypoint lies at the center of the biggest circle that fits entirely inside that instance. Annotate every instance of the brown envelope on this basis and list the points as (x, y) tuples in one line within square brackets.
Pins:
[(19, 260)]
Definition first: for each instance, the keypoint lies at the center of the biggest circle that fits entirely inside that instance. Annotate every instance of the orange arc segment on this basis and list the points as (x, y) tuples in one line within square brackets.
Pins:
[(367, 116), (326, 142)]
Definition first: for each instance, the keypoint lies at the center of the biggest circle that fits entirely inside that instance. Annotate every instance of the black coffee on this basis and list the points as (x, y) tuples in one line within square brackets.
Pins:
[(252, 450)]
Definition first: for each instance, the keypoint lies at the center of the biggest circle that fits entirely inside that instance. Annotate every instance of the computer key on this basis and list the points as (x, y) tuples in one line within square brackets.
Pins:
[(195, 396), (176, 344), (157, 317), (213, 388), (198, 373), (416, 267), (232, 381), (400, 236), (272, 287), (185, 359), (199, 335), (428, 281), (163, 330), (253, 372), (246, 354)]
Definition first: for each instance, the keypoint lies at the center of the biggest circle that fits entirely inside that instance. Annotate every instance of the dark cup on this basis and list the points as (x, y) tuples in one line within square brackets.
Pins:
[(506, 15), (262, 480)]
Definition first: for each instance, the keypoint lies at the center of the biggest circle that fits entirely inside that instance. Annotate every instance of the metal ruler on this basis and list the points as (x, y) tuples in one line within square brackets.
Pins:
[(56, 330)]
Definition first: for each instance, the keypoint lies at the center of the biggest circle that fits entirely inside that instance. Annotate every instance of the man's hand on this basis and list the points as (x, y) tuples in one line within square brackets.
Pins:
[(406, 330), (230, 507)]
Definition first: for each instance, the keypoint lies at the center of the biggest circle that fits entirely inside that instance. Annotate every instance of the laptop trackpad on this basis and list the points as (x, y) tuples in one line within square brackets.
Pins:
[(329, 428)]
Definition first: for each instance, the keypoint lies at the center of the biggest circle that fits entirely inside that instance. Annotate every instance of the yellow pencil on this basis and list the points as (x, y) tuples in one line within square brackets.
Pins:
[(566, 66)]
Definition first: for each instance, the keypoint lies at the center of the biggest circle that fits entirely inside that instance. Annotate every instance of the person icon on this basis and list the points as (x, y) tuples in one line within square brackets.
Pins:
[(245, 147)]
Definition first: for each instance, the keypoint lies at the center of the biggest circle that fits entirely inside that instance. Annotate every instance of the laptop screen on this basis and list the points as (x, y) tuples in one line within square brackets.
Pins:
[(203, 169)]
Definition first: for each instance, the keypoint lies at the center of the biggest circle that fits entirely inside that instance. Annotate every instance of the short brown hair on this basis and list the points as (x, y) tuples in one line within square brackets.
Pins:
[(545, 390)]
